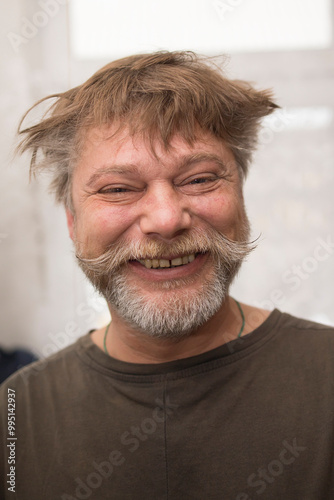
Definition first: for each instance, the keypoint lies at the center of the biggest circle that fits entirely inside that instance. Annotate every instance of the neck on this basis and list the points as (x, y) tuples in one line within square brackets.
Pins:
[(127, 344)]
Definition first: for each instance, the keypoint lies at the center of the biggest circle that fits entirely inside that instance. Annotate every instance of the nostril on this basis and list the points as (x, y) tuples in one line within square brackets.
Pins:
[(167, 222)]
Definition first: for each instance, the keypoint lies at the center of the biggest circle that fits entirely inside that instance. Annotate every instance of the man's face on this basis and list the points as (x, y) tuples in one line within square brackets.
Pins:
[(161, 218)]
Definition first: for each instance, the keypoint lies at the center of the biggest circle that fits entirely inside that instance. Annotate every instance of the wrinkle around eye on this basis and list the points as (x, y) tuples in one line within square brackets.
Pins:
[(119, 194), (115, 190), (201, 185)]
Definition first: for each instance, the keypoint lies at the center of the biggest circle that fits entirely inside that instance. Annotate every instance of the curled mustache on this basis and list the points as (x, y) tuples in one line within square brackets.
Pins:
[(121, 252)]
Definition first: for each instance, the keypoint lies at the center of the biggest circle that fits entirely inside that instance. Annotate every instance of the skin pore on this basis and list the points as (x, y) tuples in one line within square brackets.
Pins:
[(123, 192)]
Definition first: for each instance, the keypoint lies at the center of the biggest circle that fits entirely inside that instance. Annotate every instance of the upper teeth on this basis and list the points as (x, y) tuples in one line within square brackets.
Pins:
[(155, 263)]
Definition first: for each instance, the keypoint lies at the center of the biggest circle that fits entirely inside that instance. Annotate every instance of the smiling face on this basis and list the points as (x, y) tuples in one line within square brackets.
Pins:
[(159, 234)]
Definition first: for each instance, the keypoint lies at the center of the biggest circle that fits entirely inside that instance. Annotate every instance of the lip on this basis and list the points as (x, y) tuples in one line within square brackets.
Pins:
[(169, 273)]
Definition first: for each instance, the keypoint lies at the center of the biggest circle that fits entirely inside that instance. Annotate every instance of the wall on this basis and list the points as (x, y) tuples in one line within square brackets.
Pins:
[(45, 301)]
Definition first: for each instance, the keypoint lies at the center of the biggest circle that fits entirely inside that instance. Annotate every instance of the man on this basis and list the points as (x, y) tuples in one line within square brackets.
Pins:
[(186, 394)]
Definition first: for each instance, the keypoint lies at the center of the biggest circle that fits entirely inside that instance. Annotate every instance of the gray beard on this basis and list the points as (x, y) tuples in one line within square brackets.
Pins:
[(178, 314), (180, 311)]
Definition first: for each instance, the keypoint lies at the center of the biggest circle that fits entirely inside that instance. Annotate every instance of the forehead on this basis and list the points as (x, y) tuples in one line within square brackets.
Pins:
[(110, 145)]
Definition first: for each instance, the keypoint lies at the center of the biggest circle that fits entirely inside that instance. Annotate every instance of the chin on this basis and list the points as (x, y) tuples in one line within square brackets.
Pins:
[(173, 312)]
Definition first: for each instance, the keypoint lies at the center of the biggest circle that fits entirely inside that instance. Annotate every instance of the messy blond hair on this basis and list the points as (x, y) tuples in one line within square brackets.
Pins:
[(155, 95)]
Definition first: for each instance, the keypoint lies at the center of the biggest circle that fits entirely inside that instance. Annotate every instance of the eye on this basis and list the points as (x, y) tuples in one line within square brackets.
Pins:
[(205, 181), (114, 190), (202, 180), (201, 183), (119, 194)]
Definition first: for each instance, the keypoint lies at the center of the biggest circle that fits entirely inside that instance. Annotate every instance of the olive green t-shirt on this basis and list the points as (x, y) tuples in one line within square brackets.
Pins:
[(252, 419)]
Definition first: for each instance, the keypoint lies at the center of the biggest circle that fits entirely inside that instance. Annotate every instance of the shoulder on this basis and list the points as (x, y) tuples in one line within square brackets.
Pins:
[(304, 334), (286, 329), (40, 375), (305, 343), (306, 328)]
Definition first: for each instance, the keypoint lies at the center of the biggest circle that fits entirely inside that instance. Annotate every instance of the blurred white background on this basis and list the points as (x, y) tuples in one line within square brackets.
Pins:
[(48, 46)]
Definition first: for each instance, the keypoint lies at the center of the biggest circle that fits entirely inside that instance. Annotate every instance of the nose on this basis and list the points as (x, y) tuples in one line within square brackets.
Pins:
[(165, 213)]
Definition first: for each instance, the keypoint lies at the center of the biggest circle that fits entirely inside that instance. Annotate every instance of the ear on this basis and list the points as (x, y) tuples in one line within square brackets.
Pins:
[(70, 223)]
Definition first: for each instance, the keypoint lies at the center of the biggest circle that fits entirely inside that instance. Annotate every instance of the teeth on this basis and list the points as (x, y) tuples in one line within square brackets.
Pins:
[(163, 263), (177, 262)]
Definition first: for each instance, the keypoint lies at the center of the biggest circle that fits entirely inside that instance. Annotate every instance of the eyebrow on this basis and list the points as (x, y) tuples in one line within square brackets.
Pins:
[(201, 158), (112, 169), (130, 168)]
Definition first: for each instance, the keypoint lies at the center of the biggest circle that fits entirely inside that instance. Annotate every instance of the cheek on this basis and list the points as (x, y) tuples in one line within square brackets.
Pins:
[(216, 209), (98, 228), (225, 214)]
